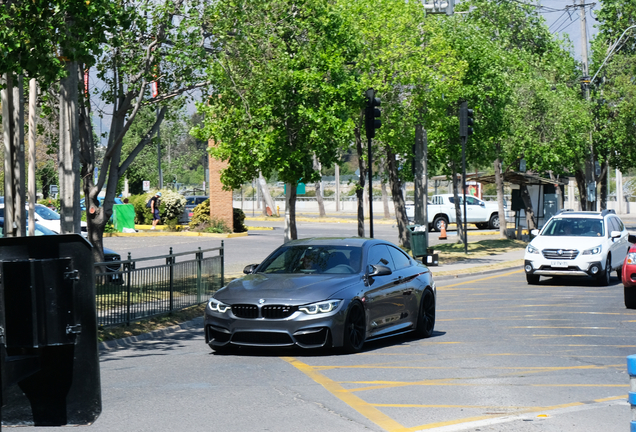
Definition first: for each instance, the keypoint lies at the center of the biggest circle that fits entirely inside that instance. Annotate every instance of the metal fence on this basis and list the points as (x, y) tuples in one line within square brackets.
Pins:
[(127, 291)]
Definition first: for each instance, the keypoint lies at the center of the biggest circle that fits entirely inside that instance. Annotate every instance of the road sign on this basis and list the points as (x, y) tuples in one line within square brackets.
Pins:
[(146, 185)]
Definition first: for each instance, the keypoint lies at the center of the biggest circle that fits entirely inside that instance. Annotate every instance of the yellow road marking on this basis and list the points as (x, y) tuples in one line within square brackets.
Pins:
[(479, 280), (364, 408)]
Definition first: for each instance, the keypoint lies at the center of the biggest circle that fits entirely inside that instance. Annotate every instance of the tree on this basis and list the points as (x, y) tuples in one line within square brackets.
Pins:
[(282, 78), (162, 42)]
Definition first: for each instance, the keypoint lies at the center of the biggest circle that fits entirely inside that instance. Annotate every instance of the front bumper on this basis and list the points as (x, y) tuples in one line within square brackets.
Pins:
[(297, 330), (576, 267)]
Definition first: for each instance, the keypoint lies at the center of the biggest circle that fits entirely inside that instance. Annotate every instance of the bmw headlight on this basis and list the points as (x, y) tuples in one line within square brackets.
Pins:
[(631, 258), (531, 249), (593, 251), (320, 307), (217, 306)]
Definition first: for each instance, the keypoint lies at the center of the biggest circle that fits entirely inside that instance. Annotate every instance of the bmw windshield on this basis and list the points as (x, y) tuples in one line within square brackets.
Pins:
[(313, 259)]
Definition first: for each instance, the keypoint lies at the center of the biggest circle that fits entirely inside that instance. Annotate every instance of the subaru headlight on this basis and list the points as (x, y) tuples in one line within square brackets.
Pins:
[(593, 251), (320, 307), (217, 306), (631, 258), (531, 249)]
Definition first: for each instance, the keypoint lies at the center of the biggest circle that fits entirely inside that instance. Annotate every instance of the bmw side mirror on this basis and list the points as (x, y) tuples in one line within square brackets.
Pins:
[(250, 268), (379, 270)]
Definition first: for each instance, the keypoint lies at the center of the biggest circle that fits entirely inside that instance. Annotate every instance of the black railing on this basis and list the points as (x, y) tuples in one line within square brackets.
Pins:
[(127, 292)]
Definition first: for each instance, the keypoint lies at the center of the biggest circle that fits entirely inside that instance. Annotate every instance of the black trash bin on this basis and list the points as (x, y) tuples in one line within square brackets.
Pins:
[(419, 243)]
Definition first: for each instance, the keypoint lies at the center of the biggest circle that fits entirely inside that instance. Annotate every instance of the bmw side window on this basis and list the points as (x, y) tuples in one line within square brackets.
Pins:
[(379, 254), (399, 258)]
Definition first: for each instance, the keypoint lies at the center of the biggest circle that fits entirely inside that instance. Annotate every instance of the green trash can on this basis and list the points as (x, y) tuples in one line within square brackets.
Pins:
[(123, 216), (419, 244)]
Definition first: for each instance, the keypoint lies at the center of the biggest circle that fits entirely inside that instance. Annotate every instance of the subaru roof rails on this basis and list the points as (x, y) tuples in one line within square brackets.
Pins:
[(565, 210), (608, 211)]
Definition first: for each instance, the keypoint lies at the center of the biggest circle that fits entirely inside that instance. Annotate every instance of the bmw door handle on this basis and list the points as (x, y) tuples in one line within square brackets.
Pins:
[(398, 281), (407, 292)]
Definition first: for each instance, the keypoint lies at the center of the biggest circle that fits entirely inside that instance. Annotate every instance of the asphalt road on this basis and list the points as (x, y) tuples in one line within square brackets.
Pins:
[(505, 356)]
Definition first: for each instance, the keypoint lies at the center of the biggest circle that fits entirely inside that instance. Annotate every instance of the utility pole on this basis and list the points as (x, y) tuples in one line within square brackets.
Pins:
[(590, 181)]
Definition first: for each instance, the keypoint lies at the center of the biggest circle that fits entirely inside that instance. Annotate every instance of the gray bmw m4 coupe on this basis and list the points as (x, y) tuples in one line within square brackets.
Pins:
[(324, 292)]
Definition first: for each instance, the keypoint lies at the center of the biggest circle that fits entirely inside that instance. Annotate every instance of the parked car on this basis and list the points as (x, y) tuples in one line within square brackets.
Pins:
[(109, 254), (591, 244), (441, 209), (628, 275), (191, 203), (46, 217), (101, 201), (324, 292)]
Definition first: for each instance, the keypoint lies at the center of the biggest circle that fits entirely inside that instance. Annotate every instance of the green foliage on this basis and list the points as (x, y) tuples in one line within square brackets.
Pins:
[(200, 214), (238, 221), (142, 214), (109, 228)]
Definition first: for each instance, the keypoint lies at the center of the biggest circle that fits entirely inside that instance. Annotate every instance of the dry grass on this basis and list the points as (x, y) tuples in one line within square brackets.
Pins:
[(454, 252)]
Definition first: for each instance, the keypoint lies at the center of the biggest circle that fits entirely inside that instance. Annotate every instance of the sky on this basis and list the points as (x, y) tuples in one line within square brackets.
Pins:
[(563, 19)]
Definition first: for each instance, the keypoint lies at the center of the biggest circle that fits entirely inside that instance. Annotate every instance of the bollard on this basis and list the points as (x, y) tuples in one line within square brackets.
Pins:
[(631, 370)]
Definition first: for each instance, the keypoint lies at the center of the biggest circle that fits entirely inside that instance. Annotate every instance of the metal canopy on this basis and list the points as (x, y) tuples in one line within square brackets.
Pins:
[(518, 178)]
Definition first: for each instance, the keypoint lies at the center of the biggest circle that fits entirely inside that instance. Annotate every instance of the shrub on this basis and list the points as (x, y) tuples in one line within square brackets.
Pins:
[(201, 214), (171, 206), (239, 217), (50, 202)]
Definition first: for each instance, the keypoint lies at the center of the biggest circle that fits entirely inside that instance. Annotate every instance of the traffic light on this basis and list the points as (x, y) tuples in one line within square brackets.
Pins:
[(466, 121), (372, 114)]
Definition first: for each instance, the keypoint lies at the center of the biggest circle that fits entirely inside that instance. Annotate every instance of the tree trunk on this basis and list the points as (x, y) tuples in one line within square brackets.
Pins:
[(360, 185), (33, 90), (458, 207), (385, 195), (267, 197), (398, 201), (603, 180), (499, 184), (580, 184), (419, 181), (290, 213), (337, 194), (319, 200), (10, 162), (68, 153), (527, 203)]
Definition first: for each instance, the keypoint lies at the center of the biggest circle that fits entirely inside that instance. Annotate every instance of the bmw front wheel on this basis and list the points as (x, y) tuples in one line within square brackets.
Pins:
[(355, 329), (426, 317)]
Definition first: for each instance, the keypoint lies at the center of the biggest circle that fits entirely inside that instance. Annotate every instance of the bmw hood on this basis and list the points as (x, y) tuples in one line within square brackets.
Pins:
[(566, 242), (284, 288)]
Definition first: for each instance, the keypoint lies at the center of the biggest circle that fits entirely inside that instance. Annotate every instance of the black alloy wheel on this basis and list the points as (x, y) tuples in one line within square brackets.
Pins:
[(426, 317), (355, 329), (605, 276)]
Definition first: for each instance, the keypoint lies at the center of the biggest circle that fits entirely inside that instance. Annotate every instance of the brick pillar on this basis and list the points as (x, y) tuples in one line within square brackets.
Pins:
[(221, 206)]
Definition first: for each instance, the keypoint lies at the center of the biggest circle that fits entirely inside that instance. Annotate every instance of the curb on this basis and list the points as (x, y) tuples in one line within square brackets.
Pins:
[(255, 228), (485, 272), (178, 234), (113, 345)]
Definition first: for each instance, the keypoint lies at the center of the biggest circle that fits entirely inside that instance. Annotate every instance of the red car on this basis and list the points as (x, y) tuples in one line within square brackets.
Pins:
[(628, 275)]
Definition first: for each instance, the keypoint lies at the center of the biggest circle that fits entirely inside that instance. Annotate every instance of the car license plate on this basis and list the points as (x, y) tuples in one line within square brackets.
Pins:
[(558, 263)]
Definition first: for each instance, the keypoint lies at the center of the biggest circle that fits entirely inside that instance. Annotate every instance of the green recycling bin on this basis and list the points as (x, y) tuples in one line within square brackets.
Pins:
[(419, 243)]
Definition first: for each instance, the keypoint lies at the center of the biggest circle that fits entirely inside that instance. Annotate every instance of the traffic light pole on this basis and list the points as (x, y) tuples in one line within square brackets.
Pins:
[(464, 139), (370, 189)]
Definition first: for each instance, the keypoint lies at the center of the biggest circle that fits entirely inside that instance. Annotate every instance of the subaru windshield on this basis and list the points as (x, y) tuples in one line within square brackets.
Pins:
[(578, 227)]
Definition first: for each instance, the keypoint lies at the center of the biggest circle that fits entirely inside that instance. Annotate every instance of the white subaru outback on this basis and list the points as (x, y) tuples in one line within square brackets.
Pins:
[(579, 243)]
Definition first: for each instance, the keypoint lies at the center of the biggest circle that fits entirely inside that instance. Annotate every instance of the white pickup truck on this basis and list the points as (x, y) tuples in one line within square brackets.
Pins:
[(441, 208)]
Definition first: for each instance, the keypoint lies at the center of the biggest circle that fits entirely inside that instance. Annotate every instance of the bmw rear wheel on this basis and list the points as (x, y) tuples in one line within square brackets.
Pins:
[(426, 317), (355, 329)]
